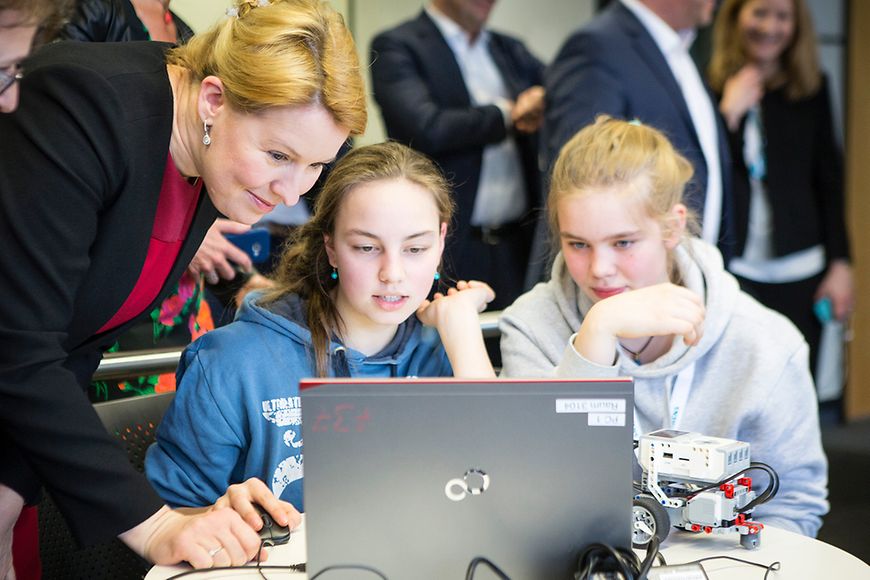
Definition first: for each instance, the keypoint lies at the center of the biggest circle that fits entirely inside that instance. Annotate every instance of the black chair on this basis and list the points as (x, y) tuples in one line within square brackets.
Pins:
[(133, 422)]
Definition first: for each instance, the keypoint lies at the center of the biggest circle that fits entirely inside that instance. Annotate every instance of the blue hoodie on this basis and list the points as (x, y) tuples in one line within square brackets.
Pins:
[(236, 412)]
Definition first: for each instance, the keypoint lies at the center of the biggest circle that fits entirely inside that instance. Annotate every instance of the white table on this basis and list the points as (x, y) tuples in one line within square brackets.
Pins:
[(802, 558)]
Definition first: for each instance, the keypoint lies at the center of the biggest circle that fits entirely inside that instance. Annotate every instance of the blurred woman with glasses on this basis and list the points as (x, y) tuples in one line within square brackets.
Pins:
[(20, 21)]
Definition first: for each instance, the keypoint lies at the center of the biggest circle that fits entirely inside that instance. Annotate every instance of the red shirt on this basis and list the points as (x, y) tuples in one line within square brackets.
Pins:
[(175, 209)]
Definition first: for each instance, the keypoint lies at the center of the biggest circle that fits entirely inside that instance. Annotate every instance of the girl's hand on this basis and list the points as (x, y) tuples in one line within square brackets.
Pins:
[(467, 294), (838, 286), (660, 310), (241, 497), (455, 315), (741, 92)]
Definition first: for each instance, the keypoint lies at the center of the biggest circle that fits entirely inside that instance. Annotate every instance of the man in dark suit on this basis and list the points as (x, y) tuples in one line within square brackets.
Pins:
[(632, 62), (471, 99)]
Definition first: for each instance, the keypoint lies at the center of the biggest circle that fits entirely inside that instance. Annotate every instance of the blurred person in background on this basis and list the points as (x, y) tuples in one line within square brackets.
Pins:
[(792, 245)]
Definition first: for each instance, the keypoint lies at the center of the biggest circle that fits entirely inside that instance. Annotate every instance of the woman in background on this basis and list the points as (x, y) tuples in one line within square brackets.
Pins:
[(792, 246), (114, 166)]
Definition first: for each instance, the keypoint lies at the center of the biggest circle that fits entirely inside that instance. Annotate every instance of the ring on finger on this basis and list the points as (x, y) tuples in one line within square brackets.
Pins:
[(213, 552), (212, 278)]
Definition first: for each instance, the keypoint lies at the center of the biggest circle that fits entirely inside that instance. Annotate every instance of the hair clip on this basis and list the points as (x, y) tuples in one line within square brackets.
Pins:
[(262, 3), (636, 122), (233, 12)]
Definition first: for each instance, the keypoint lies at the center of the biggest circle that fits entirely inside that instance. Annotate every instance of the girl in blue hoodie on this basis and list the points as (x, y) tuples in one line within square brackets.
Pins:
[(350, 301)]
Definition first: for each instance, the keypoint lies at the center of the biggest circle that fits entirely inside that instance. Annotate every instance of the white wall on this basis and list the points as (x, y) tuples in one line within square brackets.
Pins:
[(200, 14)]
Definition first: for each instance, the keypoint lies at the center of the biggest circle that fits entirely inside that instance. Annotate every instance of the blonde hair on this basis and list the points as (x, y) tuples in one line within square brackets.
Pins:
[(287, 52), (799, 71), (611, 152), (304, 268)]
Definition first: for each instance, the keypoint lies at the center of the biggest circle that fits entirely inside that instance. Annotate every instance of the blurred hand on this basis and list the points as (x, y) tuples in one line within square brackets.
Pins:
[(528, 111), (10, 509), (241, 498), (838, 286), (255, 282), (216, 252), (204, 538), (741, 92)]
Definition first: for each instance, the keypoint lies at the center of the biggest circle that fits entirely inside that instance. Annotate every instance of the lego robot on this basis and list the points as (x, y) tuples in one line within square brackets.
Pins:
[(699, 484)]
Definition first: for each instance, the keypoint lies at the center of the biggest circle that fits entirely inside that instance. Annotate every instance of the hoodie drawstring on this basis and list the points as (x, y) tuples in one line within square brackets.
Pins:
[(340, 367)]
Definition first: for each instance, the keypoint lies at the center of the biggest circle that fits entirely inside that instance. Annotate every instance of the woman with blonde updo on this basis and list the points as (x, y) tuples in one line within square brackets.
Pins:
[(633, 294), (116, 163)]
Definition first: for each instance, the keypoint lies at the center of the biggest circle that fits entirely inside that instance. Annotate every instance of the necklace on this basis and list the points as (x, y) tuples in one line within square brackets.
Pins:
[(635, 355)]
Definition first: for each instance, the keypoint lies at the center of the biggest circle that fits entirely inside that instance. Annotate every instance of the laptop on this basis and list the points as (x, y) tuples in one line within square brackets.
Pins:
[(414, 478)]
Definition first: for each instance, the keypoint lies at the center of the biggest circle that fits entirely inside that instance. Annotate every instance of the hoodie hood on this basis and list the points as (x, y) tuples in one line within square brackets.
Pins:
[(702, 271), (287, 317)]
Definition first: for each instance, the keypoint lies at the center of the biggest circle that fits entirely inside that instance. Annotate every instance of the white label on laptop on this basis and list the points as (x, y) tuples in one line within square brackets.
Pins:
[(590, 406), (606, 420)]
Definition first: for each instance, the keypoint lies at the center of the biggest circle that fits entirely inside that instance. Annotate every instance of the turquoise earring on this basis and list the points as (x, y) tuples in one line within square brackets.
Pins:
[(334, 274), (437, 276)]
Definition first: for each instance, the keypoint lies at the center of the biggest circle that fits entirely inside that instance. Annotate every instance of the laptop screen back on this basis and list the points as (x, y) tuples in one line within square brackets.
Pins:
[(416, 477)]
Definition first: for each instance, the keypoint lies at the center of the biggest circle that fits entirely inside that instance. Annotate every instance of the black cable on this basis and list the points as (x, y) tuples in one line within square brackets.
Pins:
[(374, 571), (772, 486), (652, 552), (469, 573), (763, 497), (598, 557), (288, 567), (772, 567)]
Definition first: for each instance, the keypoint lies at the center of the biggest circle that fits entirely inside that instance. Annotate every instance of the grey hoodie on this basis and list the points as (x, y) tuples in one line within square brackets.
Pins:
[(751, 376)]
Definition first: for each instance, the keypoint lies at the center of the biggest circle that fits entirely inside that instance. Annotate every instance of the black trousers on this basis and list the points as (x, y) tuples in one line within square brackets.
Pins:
[(794, 300)]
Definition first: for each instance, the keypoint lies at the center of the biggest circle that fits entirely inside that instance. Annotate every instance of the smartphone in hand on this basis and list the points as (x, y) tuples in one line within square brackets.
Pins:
[(254, 242)]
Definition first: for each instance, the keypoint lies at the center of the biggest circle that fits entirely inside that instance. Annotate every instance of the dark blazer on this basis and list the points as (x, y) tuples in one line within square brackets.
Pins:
[(426, 105), (612, 65), (804, 175), (82, 165)]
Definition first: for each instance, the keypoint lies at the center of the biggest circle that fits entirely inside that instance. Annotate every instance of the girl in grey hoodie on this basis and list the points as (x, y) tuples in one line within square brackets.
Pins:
[(633, 294)]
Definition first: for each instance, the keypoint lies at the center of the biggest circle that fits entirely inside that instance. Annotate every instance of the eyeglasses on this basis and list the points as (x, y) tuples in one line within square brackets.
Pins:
[(7, 79)]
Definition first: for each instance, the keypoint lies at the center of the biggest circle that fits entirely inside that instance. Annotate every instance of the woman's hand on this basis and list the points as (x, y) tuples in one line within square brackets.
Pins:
[(838, 286), (11, 504), (741, 92), (241, 497), (204, 538), (660, 310), (216, 255), (455, 315)]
